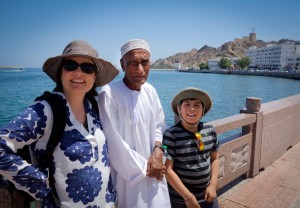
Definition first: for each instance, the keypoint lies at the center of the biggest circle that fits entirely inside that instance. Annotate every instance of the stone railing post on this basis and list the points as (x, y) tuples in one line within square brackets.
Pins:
[(253, 106)]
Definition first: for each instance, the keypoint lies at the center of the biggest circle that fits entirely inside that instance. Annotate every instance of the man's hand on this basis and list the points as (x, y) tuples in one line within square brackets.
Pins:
[(155, 167)]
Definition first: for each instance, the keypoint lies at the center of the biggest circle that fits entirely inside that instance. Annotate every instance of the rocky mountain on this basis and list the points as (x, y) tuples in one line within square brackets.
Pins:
[(192, 58)]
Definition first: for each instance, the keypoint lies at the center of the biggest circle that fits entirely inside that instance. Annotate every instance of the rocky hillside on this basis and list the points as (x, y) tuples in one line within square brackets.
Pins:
[(192, 58)]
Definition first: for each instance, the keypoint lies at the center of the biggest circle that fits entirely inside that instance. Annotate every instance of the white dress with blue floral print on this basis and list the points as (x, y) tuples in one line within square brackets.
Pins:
[(82, 170)]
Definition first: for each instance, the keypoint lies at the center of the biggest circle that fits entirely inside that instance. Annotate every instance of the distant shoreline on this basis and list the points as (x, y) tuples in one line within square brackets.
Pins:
[(287, 75), (10, 67)]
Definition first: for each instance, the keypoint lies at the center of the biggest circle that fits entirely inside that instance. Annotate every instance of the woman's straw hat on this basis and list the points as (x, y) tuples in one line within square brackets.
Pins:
[(106, 72)]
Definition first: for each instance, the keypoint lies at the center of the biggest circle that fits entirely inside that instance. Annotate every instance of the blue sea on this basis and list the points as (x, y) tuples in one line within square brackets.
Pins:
[(18, 89)]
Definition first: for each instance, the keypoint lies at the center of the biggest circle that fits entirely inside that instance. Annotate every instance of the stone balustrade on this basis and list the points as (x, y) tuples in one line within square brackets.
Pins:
[(268, 131)]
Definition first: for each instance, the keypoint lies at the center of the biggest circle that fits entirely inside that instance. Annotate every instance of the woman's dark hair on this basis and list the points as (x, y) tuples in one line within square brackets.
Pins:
[(59, 87)]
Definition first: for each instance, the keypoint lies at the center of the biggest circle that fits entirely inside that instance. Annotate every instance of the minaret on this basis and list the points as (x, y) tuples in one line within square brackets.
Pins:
[(252, 36)]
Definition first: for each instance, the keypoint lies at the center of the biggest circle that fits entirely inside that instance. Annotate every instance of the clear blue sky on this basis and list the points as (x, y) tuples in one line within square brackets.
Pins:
[(33, 30)]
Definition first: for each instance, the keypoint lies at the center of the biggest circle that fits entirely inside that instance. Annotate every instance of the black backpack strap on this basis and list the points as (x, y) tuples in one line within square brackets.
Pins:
[(59, 123)]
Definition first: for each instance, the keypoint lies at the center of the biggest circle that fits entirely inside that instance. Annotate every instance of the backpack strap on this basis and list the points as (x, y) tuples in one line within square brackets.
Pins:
[(59, 123)]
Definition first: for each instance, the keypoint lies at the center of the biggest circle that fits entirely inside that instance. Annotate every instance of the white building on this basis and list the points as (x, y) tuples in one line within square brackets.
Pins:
[(274, 56), (251, 54), (293, 62), (234, 61), (213, 64), (177, 65)]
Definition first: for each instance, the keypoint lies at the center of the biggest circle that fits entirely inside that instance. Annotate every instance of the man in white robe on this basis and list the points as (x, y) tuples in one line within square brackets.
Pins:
[(133, 121)]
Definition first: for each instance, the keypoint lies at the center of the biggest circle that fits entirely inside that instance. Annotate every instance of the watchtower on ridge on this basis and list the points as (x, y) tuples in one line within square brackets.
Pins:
[(252, 36)]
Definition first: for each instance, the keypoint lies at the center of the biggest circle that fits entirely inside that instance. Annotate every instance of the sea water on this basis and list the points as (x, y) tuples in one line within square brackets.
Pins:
[(18, 89)]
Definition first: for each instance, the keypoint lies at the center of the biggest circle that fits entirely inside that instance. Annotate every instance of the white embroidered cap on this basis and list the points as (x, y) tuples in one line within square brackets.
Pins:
[(134, 44)]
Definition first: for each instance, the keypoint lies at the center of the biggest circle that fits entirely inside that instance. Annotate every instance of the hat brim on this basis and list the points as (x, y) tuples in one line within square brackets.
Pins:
[(190, 93), (106, 72)]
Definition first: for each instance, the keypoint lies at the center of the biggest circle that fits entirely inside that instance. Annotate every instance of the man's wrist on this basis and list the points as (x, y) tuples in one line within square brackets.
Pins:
[(161, 147)]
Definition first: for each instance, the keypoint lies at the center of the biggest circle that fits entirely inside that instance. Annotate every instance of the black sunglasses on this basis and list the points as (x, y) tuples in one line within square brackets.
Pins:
[(71, 65)]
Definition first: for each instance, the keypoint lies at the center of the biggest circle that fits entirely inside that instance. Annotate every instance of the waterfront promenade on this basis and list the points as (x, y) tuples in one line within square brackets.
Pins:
[(278, 74), (278, 186)]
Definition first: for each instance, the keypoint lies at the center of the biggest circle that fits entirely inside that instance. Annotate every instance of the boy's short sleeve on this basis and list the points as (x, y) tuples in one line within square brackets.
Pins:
[(169, 144), (216, 143)]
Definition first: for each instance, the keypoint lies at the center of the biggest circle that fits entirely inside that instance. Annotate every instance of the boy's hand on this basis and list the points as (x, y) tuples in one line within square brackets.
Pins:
[(210, 193), (192, 202)]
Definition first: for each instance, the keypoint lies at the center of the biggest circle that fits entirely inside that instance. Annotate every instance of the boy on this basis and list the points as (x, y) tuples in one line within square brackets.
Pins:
[(192, 163)]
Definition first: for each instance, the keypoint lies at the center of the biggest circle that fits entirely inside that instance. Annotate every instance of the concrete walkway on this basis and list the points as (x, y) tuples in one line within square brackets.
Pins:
[(278, 186)]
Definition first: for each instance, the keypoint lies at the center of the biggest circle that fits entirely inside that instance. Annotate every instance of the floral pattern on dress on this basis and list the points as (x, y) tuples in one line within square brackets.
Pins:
[(27, 125), (6, 159), (32, 179), (96, 153), (105, 155), (110, 191), (93, 114), (76, 147), (87, 188)]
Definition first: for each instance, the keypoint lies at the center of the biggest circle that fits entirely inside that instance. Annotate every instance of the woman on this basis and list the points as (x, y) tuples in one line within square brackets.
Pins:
[(80, 163)]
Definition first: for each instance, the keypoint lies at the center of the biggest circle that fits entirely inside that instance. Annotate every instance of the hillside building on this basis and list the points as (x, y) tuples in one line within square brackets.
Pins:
[(275, 57), (213, 64), (177, 65)]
